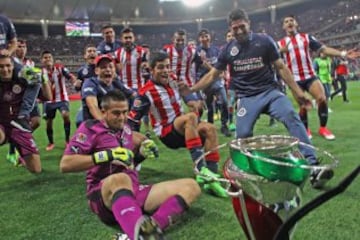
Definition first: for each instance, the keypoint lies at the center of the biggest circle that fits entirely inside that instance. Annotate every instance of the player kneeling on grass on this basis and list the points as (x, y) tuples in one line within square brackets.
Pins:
[(107, 151)]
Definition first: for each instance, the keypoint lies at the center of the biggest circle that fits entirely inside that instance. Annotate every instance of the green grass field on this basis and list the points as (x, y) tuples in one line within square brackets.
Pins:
[(53, 205)]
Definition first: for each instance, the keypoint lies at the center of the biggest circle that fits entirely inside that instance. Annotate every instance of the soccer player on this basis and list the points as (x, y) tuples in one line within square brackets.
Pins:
[(251, 57), (182, 57), (109, 44), (322, 67), (130, 59), (341, 72), (209, 54), (296, 50), (96, 87), (44, 94), (8, 39), (86, 71), (58, 75), (161, 99), (12, 90), (230, 91), (106, 150), (20, 54)]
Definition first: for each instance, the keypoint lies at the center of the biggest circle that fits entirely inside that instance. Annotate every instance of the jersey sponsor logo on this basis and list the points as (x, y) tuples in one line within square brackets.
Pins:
[(234, 51), (241, 112), (81, 137), (16, 89), (89, 89), (107, 48)]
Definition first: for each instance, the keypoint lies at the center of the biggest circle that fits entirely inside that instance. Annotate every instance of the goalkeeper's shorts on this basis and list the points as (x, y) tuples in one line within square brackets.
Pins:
[(97, 204)]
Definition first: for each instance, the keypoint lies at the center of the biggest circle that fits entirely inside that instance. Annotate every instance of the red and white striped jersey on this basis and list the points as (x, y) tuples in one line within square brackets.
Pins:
[(163, 103), (25, 62), (57, 79), (298, 57), (130, 62), (181, 62)]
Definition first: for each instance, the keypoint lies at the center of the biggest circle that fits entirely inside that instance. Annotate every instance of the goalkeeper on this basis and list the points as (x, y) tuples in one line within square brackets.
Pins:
[(106, 150)]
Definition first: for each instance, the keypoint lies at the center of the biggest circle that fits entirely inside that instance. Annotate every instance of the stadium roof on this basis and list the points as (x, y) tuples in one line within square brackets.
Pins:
[(133, 11)]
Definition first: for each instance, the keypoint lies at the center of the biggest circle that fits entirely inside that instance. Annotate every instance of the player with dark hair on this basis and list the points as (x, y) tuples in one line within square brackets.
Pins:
[(251, 57), (95, 88), (58, 75), (12, 90), (160, 98), (106, 150), (208, 54), (109, 44), (85, 72), (296, 48), (182, 57)]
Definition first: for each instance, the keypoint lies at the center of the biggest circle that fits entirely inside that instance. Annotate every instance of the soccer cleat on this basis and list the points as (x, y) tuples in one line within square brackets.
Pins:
[(232, 127), (216, 116), (13, 158), (326, 133), (216, 189), (120, 236), (147, 229), (308, 132), (206, 177), (50, 147), (225, 131), (22, 124), (320, 177)]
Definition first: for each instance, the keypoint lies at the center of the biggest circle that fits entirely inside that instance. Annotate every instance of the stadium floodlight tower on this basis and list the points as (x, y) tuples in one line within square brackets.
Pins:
[(194, 3)]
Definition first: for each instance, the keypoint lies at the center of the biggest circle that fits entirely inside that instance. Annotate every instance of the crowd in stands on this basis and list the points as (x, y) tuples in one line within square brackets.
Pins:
[(337, 25)]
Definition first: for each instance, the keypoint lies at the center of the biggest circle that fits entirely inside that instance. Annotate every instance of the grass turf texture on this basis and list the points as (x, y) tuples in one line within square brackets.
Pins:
[(53, 205)]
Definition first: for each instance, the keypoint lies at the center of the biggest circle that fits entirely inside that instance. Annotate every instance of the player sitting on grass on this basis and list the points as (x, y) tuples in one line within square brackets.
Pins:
[(160, 98), (106, 150)]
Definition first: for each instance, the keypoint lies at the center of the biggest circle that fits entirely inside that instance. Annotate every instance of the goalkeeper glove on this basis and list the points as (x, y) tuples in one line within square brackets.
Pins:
[(149, 149), (122, 155), (31, 74)]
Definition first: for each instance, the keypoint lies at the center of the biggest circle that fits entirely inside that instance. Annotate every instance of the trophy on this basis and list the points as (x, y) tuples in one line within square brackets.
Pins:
[(265, 177)]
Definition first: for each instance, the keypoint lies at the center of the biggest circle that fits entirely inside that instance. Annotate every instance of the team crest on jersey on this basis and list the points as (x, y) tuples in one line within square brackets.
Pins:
[(81, 137), (85, 71), (234, 51), (127, 130), (16, 89), (241, 112), (137, 103)]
